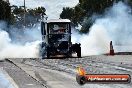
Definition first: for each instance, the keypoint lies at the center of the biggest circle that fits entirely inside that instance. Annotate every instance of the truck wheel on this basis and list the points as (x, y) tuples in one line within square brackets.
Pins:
[(48, 52), (79, 52), (45, 52)]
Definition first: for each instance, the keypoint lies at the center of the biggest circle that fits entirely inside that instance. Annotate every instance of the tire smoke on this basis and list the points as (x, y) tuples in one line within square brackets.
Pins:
[(19, 49), (115, 25)]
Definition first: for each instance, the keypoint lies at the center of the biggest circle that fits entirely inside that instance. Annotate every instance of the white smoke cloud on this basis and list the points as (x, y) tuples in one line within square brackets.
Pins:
[(8, 49), (26, 46), (116, 26), (53, 7)]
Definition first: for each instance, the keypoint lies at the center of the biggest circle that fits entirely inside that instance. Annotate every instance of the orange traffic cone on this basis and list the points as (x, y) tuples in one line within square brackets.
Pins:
[(111, 49)]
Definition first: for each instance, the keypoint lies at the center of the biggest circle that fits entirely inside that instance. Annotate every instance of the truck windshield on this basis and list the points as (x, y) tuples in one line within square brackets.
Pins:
[(58, 28), (59, 32)]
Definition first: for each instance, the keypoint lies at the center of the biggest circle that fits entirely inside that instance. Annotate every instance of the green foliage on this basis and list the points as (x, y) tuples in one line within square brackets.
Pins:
[(18, 10), (5, 11), (95, 6), (79, 13), (32, 16), (74, 14), (85, 9), (67, 13), (39, 10), (86, 25)]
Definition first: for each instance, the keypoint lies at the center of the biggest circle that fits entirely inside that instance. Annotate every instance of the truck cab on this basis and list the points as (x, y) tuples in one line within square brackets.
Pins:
[(56, 39)]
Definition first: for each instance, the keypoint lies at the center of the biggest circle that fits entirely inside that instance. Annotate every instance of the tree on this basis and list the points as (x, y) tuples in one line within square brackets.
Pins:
[(5, 11), (85, 10), (32, 16), (67, 13)]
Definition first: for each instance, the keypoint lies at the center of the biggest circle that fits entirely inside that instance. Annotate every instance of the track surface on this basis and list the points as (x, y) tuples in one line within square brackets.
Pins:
[(36, 73), (20, 77)]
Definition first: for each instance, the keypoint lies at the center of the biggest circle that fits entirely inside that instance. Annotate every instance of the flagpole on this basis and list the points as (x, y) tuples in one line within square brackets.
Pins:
[(24, 14)]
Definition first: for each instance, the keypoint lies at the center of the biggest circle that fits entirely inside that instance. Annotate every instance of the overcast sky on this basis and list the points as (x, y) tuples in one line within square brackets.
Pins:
[(53, 7)]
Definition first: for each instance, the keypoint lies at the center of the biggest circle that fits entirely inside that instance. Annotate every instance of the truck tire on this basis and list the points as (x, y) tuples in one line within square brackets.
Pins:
[(45, 52), (48, 52), (79, 52)]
